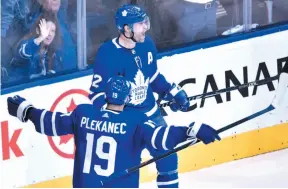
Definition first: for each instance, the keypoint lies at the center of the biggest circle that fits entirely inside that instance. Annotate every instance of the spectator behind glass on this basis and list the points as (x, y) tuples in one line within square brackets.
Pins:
[(67, 51), (16, 23), (37, 51)]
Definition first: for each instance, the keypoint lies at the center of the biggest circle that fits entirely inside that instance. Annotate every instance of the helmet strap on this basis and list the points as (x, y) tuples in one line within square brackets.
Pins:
[(132, 37)]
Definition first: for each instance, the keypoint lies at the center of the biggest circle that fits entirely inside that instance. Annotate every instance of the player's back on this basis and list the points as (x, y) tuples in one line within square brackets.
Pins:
[(106, 144)]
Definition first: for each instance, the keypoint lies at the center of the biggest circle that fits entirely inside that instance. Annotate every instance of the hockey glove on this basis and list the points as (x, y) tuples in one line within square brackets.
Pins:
[(203, 132), (18, 107), (179, 97)]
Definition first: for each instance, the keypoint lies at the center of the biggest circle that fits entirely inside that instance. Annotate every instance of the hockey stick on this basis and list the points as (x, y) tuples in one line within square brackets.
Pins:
[(227, 127), (213, 93)]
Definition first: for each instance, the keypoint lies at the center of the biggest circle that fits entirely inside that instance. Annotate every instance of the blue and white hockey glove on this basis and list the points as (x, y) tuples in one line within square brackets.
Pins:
[(203, 132), (18, 107), (180, 98)]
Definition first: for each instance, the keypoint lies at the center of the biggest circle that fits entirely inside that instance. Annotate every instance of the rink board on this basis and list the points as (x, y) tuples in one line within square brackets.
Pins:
[(193, 158), (48, 162)]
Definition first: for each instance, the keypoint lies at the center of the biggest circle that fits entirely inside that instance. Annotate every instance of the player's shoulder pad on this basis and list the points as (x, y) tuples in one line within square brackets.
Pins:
[(139, 116), (111, 45), (107, 50), (105, 57), (82, 108), (105, 47)]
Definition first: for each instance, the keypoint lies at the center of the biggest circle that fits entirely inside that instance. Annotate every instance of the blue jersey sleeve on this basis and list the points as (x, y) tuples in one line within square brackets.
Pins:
[(52, 123), (162, 137), (158, 82), (27, 49)]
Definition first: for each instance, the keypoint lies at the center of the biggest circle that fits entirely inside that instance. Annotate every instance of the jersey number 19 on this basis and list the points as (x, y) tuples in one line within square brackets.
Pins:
[(110, 156)]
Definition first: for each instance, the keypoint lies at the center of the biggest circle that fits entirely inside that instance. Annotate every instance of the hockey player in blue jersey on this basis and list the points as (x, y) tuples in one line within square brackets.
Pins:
[(107, 140), (133, 54)]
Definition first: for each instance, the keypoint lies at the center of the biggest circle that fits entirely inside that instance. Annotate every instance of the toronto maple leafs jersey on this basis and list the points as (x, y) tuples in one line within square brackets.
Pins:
[(138, 66), (107, 142)]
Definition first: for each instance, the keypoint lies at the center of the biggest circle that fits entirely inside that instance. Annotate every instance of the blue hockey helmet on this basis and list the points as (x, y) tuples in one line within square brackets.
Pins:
[(117, 90), (130, 14)]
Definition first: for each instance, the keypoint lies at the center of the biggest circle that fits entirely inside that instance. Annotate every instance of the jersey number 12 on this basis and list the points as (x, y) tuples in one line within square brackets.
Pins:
[(110, 156)]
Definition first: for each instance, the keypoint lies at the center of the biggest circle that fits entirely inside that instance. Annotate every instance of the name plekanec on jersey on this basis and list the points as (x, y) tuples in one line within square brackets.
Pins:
[(103, 126)]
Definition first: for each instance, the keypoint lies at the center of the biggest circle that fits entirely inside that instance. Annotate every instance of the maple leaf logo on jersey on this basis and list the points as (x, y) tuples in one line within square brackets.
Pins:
[(139, 89)]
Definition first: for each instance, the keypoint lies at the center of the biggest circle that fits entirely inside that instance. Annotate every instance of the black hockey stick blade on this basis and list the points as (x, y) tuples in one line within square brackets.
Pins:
[(177, 149)]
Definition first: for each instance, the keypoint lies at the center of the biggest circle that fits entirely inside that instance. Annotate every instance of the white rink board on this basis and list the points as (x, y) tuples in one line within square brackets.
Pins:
[(200, 63), (40, 162)]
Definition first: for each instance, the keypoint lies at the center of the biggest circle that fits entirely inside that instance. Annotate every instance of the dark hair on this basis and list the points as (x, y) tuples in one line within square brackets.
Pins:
[(55, 44)]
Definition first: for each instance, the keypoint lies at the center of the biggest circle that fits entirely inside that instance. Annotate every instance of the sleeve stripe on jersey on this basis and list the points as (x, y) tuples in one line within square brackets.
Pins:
[(42, 121), (165, 138), (21, 108), (195, 128), (154, 137), (22, 49), (152, 111), (168, 182), (96, 96), (169, 172), (115, 43), (150, 124), (53, 124), (154, 76)]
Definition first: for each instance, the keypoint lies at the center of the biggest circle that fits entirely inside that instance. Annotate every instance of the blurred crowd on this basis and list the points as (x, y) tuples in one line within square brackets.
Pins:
[(39, 37)]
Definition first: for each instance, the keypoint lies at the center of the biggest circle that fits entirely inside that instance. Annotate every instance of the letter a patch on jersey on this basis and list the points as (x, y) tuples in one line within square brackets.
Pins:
[(139, 89)]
